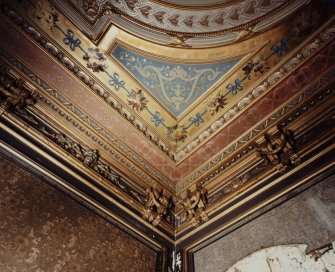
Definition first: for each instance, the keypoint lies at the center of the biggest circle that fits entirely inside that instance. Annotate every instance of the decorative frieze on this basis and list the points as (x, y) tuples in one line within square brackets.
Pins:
[(89, 157)]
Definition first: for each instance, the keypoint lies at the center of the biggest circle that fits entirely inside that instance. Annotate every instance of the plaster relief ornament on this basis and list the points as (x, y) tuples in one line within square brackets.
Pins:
[(13, 94), (156, 206), (195, 206), (90, 7), (179, 41), (88, 157), (279, 149), (177, 133)]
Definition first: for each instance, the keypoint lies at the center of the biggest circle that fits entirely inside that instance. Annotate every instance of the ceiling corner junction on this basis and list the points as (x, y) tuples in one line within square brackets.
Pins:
[(180, 177)]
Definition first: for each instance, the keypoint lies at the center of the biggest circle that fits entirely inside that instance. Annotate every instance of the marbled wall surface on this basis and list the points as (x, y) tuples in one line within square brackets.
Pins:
[(308, 218), (43, 230)]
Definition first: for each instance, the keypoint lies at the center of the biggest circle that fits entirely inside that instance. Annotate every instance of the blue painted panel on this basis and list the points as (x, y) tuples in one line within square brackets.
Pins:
[(175, 85)]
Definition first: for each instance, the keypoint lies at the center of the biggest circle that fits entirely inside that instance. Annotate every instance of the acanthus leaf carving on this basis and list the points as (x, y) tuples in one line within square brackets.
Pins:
[(88, 157), (156, 206)]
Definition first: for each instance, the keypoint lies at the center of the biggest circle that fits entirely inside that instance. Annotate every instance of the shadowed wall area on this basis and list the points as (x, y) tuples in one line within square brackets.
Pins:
[(307, 218), (43, 230)]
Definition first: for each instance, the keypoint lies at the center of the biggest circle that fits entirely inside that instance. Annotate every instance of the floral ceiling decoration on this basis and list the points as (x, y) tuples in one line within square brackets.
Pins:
[(175, 85), (162, 92), (171, 115)]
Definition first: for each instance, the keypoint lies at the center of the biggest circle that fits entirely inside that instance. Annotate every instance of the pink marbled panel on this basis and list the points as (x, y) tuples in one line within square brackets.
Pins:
[(80, 95), (286, 89)]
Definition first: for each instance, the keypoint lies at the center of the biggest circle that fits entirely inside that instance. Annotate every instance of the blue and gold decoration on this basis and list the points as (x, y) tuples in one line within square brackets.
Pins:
[(167, 84), (174, 85)]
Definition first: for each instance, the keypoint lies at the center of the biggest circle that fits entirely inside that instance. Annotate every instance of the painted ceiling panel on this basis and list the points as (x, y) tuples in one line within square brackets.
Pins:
[(175, 85), (171, 123)]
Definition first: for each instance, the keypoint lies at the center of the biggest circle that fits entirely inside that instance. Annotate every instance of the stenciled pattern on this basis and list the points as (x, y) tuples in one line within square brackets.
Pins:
[(176, 86), (152, 75), (44, 230)]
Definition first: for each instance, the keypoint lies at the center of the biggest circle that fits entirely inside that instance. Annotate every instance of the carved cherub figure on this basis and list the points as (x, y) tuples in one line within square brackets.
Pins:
[(90, 157), (15, 95)]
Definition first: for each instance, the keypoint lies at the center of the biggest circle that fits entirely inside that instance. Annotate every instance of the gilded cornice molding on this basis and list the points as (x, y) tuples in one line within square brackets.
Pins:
[(260, 161), (89, 157), (71, 65), (289, 151), (300, 55), (308, 50), (205, 176), (132, 164), (164, 23), (272, 80)]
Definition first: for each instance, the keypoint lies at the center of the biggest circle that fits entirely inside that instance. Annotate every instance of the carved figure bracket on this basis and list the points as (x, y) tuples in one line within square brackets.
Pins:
[(13, 93), (156, 206), (279, 148), (195, 206)]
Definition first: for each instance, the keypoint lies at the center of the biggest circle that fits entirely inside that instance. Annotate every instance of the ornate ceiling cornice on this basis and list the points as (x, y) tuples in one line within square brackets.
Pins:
[(172, 25), (275, 131), (300, 57), (303, 144), (202, 138)]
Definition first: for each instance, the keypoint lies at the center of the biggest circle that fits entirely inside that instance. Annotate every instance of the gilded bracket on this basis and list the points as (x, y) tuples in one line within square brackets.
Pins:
[(13, 93), (279, 148), (156, 206), (195, 206)]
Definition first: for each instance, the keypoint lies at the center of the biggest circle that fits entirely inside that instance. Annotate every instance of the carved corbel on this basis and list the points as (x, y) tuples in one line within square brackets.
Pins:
[(279, 148), (13, 93), (195, 206), (156, 206)]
